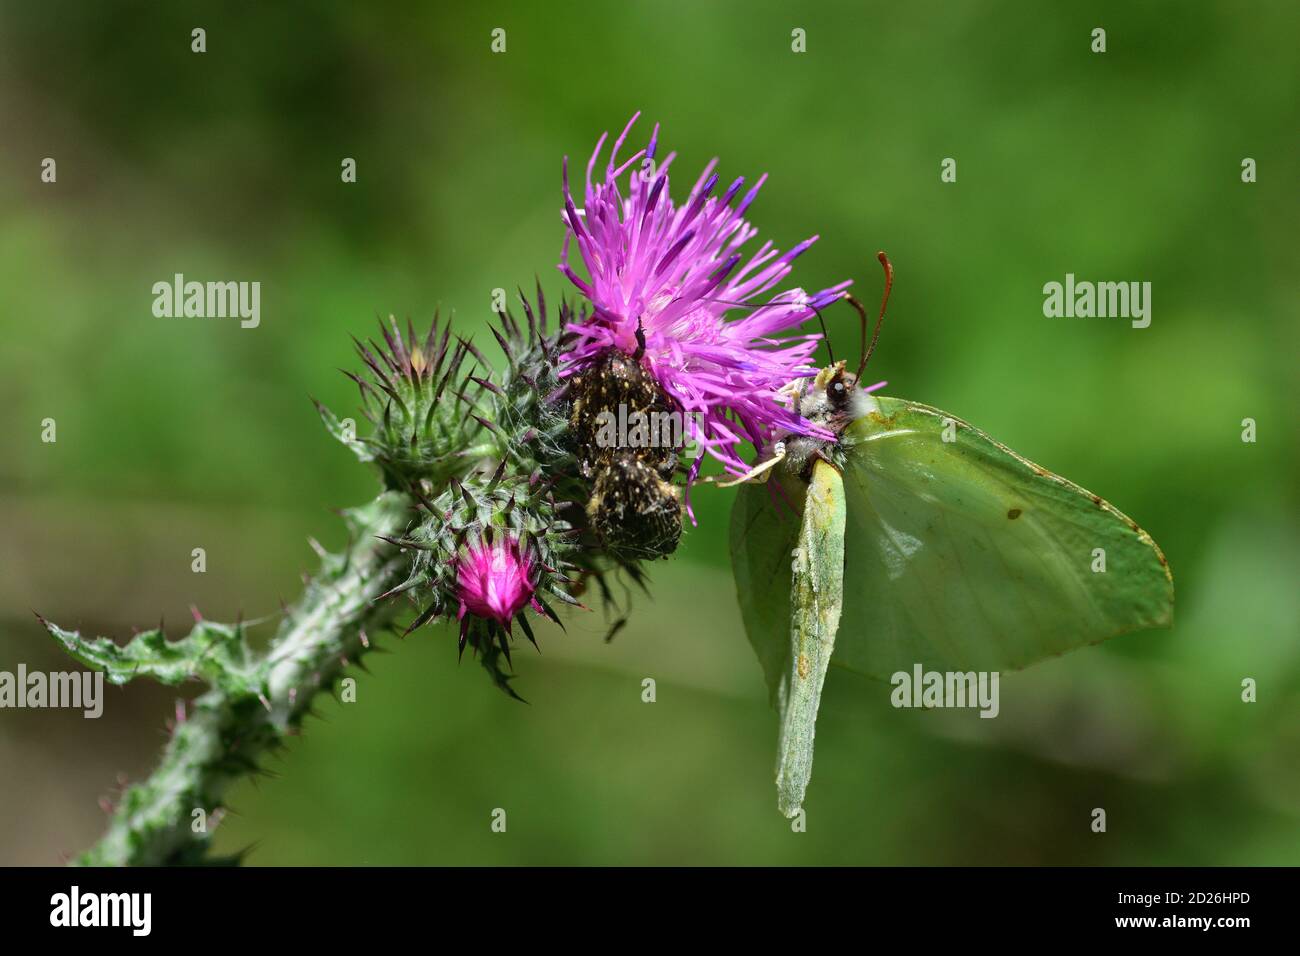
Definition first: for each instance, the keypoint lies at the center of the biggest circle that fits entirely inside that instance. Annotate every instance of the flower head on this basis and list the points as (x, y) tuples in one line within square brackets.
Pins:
[(663, 277), (494, 580)]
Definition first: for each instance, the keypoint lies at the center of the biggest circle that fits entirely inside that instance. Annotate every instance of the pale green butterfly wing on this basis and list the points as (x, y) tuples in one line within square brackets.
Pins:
[(957, 555), (816, 597), (765, 521), (961, 555)]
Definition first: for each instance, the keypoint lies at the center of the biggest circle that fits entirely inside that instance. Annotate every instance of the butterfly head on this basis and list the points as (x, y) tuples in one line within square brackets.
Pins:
[(832, 399)]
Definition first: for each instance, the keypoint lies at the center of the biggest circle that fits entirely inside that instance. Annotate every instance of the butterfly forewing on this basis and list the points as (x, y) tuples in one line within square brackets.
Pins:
[(816, 599)]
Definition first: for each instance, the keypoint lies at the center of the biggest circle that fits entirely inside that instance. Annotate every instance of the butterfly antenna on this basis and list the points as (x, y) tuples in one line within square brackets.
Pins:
[(825, 335), (743, 305), (862, 321), (862, 313), (768, 305)]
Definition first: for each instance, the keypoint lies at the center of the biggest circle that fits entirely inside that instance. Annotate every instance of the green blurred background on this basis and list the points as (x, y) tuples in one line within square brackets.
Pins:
[(175, 434)]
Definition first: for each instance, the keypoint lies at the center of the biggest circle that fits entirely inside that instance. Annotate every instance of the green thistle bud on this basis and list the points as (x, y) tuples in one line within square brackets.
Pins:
[(530, 409), (425, 413)]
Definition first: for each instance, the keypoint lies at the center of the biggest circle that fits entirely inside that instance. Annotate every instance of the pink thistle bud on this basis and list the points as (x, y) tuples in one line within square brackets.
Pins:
[(494, 581)]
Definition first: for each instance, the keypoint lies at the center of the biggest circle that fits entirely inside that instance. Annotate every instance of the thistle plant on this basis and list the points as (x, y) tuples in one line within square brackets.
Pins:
[(500, 504), (495, 503)]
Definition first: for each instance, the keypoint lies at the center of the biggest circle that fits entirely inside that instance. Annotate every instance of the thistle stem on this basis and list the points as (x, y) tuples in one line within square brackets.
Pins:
[(169, 817)]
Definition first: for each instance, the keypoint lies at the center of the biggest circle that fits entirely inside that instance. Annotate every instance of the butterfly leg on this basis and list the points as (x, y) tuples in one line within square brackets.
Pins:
[(762, 469)]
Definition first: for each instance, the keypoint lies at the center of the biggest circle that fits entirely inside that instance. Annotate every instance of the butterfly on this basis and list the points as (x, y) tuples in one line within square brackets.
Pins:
[(914, 538)]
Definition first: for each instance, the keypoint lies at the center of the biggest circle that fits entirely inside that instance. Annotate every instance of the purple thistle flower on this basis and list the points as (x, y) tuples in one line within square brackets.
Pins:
[(494, 581), (669, 274)]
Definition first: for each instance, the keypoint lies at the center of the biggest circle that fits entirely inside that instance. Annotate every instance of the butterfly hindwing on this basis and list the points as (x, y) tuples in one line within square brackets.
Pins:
[(765, 521), (961, 555)]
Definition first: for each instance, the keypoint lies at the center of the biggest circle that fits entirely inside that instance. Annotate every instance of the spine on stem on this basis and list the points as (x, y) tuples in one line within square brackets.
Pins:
[(253, 702)]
